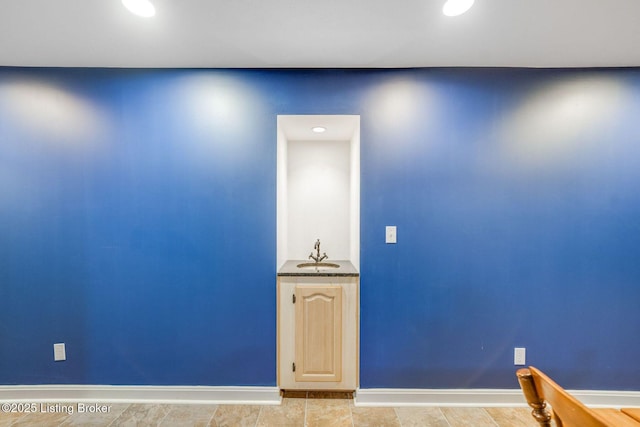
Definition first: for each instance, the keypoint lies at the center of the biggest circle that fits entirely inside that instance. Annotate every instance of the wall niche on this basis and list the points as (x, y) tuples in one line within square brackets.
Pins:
[(318, 187)]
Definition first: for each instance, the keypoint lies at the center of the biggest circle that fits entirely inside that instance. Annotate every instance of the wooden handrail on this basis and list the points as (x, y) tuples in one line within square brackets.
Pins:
[(566, 410)]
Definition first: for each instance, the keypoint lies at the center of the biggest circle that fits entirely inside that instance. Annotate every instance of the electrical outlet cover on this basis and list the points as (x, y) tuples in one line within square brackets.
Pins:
[(390, 234), (59, 352)]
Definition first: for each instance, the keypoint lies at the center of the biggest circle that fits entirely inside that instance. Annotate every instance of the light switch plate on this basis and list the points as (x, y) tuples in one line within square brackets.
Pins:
[(390, 234), (59, 352), (519, 356)]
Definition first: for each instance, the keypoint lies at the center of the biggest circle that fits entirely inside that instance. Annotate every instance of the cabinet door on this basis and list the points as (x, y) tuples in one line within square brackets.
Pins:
[(318, 353)]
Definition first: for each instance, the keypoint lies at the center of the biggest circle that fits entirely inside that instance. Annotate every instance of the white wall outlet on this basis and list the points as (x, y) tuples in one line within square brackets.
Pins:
[(519, 356), (390, 234), (59, 352)]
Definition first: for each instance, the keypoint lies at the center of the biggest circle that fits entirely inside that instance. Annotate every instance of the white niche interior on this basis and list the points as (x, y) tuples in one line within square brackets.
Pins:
[(318, 187)]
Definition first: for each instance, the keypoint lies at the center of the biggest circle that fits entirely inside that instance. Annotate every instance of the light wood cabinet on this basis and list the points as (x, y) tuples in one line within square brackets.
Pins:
[(318, 333)]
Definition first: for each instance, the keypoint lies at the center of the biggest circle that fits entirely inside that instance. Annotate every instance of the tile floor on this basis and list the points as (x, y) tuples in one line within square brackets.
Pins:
[(294, 411)]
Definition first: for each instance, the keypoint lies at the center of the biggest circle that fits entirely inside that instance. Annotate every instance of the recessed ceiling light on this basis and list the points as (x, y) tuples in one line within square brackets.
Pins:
[(142, 8), (319, 129), (456, 7)]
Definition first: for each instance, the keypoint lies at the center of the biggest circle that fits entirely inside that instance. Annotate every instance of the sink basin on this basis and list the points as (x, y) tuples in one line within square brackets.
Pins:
[(318, 265)]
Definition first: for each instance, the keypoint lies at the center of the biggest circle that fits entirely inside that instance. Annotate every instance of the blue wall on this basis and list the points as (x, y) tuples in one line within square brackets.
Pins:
[(137, 223)]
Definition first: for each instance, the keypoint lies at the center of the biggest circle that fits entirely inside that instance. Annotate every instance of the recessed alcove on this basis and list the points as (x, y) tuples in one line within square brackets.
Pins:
[(318, 187)]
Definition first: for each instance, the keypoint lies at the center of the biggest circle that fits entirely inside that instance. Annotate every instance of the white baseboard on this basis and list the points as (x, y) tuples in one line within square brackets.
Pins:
[(271, 396), (484, 398), (608, 399), (141, 394)]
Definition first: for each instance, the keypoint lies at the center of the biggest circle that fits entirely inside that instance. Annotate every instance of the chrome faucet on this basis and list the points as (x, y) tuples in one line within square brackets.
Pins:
[(317, 258)]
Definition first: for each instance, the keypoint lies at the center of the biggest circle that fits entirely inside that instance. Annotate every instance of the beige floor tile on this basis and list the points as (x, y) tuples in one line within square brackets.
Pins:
[(374, 417), (41, 419), (421, 417), (465, 417), (188, 415), (236, 416), (8, 418), (141, 415), (87, 418), (328, 412), (512, 417), (290, 413)]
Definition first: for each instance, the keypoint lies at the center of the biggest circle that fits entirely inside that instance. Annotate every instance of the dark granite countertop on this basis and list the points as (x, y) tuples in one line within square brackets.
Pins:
[(345, 269)]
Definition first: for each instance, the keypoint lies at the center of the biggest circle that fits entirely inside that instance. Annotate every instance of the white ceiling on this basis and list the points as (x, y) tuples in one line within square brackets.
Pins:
[(324, 34)]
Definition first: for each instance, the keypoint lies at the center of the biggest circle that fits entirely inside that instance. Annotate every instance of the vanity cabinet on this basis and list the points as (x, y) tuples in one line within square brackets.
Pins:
[(318, 332)]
